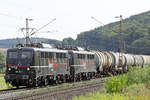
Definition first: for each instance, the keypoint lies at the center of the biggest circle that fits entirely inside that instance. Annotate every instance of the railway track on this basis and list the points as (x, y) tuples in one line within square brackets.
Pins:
[(12, 90), (60, 93), (24, 92)]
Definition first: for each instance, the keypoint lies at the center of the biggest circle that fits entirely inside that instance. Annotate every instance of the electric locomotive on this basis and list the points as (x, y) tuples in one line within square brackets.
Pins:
[(43, 64)]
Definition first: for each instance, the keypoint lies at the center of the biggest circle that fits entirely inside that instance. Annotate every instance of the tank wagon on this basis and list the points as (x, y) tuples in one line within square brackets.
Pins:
[(42, 64)]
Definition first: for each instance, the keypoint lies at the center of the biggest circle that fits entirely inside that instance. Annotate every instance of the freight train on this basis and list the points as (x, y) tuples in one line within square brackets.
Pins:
[(43, 64)]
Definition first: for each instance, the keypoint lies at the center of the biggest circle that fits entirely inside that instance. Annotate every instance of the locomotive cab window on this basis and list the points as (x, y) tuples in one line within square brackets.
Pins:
[(42, 54), (50, 54), (90, 56), (64, 55), (60, 55), (81, 56), (57, 55), (46, 55), (26, 55), (12, 54)]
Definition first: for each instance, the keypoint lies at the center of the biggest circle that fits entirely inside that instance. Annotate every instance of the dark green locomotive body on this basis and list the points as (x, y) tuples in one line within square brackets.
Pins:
[(28, 66), (18, 65)]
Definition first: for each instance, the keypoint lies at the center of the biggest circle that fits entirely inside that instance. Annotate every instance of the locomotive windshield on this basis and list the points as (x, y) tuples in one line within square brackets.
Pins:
[(26, 55), (21, 57), (12, 54)]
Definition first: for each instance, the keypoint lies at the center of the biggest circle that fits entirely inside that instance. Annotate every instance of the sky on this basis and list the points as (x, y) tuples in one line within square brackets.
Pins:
[(72, 16)]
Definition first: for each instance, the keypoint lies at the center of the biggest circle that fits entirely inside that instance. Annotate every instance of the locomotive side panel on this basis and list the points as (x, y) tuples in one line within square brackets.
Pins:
[(84, 62), (61, 63)]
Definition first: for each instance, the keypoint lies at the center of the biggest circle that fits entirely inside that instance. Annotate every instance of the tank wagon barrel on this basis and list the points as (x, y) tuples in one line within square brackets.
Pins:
[(138, 60), (146, 59), (110, 60), (129, 61)]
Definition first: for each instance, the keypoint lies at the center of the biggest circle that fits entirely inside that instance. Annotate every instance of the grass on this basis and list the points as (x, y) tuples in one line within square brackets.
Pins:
[(2, 70), (134, 85), (3, 84), (2, 75)]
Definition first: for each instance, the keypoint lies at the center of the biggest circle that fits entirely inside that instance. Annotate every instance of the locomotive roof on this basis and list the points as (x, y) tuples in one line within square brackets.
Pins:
[(52, 50), (24, 48), (83, 52), (40, 49), (63, 51)]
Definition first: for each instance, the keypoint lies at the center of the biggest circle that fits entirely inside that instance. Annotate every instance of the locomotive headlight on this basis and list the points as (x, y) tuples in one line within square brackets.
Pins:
[(52, 69), (9, 69), (28, 69)]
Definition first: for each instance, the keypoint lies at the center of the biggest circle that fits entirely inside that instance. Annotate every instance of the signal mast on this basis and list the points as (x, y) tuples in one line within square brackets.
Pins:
[(120, 42), (27, 30)]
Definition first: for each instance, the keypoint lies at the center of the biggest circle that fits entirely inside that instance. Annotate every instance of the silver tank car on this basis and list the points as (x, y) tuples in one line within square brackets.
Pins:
[(109, 61), (104, 60), (118, 65)]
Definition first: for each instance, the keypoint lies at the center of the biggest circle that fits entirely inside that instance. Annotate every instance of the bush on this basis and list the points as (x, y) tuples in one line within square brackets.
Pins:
[(116, 83), (114, 96), (4, 85), (136, 75)]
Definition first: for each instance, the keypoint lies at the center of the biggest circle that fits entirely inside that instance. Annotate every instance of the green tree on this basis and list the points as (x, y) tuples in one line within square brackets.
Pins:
[(68, 42), (2, 58), (2, 61)]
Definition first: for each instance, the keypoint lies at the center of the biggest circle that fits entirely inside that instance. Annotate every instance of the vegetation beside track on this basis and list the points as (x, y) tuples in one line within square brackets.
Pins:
[(134, 85), (134, 92), (3, 84), (2, 75)]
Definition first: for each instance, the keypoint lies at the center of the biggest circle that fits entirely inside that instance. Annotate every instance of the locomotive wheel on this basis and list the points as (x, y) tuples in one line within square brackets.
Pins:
[(64, 79), (75, 79), (56, 82), (80, 77), (35, 83), (30, 83), (88, 76), (15, 84)]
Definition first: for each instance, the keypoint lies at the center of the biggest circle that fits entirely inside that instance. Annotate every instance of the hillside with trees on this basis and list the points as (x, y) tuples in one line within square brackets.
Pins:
[(9, 43), (136, 36)]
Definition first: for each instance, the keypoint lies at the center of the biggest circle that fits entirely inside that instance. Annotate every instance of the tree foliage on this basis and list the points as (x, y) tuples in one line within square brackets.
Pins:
[(136, 35), (2, 59)]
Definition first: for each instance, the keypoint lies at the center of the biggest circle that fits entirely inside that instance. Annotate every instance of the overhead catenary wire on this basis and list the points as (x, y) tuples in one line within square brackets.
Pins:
[(103, 24), (42, 27), (11, 16)]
